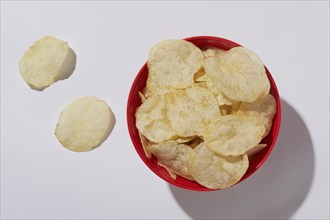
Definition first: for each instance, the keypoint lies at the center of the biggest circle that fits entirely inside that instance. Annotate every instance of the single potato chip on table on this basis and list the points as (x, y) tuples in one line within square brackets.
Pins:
[(47, 61), (232, 135), (84, 124), (215, 171)]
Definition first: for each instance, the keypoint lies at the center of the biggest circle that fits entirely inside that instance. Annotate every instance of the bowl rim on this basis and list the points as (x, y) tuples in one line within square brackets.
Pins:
[(141, 154)]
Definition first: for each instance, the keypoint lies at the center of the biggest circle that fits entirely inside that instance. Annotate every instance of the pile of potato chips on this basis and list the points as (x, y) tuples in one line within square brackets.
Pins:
[(204, 112)]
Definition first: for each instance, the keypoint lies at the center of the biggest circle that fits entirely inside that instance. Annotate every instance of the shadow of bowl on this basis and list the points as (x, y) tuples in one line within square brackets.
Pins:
[(275, 191)]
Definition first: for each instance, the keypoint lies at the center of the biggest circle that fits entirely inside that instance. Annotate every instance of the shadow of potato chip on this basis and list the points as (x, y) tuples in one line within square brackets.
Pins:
[(275, 191)]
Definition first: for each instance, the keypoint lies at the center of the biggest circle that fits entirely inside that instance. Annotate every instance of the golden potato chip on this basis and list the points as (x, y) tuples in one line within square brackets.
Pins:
[(234, 107), (253, 151), (225, 109), (146, 144), (172, 64), (173, 156), (264, 108), (239, 74), (189, 110), (47, 61), (200, 84), (232, 135), (221, 99), (84, 124), (213, 51), (151, 120), (182, 140), (172, 174), (144, 94), (200, 76), (215, 171), (142, 97), (189, 141)]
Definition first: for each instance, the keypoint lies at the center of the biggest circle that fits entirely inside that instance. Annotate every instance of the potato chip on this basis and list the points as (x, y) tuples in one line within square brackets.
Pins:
[(84, 124), (200, 76), (233, 135), (213, 51), (253, 151), (172, 64), (221, 99), (142, 97), (172, 174), (200, 84), (182, 140), (234, 107), (189, 110), (151, 120), (173, 156), (215, 171), (264, 108), (47, 61), (239, 74), (145, 145), (225, 109)]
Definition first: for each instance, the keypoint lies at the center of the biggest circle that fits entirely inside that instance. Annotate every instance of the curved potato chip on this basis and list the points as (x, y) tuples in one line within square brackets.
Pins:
[(173, 156), (233, 135), (253, 151), (151, 120), (172, 64), (172, 174), (239, 74), (146, 144), (142, 97), (225, 109), (84, 124), (221, 99), (182, 140), (215, 171), (200, 76), (189, 110), (47, 61), (264, 108), (213, 51), (234, 107), (200, 84)]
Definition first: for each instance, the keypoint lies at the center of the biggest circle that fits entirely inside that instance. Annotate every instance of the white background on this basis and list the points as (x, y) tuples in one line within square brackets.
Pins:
[(42, 180)]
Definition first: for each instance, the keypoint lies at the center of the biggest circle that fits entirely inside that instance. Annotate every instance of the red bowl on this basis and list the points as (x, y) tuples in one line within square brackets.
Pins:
[(134, 101)]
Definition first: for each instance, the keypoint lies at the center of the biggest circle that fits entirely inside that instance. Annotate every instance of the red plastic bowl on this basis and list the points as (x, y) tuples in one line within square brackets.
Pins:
[(134, 101)]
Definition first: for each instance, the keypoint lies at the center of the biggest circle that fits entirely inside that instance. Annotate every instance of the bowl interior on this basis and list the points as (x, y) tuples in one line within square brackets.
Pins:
[(134, 101)]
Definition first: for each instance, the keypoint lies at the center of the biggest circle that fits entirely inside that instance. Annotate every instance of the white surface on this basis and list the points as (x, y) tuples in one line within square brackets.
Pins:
[(42, 180)]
